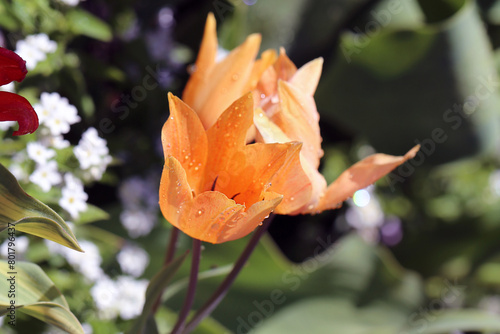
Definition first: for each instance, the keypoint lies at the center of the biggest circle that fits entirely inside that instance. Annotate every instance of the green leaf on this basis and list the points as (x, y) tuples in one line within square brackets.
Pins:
[(447, 321), (446, 70), (322, 315), (154, 290), (36, 295), (30, 215), (83, 23), (92, 214)]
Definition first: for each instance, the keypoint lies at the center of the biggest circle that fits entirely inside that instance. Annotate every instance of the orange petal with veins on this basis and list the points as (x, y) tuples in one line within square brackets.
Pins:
[(208, 213), (175, 191), (184, 138), (295, 119), (361, 175), (224, 82), (204, 62), (246, 222)]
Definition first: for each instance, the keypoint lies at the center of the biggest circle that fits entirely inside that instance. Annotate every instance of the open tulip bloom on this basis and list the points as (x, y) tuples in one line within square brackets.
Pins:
[(215, 187), (12, 106), (244, 142)]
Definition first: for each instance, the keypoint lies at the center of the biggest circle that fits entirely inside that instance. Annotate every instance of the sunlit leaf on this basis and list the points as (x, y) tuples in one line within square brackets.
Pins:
[(35, 294), (28, 215)]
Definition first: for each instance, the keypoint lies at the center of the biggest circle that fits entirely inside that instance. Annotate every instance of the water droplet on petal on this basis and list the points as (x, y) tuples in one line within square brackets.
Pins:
[(292, 198), (200, 212)]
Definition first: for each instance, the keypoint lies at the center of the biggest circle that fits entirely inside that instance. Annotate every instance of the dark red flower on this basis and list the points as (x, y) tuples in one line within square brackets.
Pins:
[(12, 106)]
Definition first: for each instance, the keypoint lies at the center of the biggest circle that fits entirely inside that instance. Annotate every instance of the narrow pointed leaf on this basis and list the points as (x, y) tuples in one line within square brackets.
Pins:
[(36, 295), (155, 288), (30, 215)]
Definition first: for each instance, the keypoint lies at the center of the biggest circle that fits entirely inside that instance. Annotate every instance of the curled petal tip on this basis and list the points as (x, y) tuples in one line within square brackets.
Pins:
[(16, 108)]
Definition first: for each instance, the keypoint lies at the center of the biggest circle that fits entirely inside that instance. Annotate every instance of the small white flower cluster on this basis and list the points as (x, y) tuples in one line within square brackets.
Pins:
[(133, 260), (139, 197), (88, 263), (71, 3), (56, 116), (124, 296), (34, 49), (92, 154), (74, 198)]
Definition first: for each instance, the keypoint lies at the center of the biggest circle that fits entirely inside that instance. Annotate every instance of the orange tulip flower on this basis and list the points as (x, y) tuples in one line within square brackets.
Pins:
[(214, 187), (285, 111), (289, 113)]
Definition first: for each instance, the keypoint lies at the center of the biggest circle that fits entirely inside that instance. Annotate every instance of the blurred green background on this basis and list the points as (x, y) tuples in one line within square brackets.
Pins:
[(419, 253)]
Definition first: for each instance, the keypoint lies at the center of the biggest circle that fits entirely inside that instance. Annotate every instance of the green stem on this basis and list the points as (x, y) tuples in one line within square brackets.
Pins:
[(223, 289), (193, 280)]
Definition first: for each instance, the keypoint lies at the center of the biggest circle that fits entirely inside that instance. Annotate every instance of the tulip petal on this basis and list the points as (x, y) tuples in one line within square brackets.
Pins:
[(361, 175), (14, 107), (267, 58), (227, 136), (206, 59), (258, 165), (284, 67), (12, 67), (292, 181), (208, 214), (245, 222), (184, 138), (175, 192), (298, 119), (306, 78), (226, 81)]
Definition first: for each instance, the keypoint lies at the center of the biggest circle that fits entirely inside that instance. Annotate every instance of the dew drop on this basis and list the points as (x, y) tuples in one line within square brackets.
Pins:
[(239, 115), (172, 117), (260, 224), (261, 115), (310, 207), (196, 168), (292, 199), (262, 96), (186, 157), (200, 212)]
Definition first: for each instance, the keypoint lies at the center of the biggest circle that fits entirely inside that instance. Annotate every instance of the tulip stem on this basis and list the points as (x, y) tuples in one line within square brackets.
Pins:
[(169, 256), (223, 289), (193, 280)]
